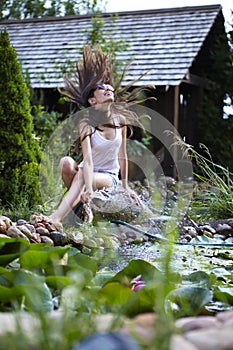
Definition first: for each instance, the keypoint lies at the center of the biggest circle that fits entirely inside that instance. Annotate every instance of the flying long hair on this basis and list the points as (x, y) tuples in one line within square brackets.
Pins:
[(90, 70), (95, 67)]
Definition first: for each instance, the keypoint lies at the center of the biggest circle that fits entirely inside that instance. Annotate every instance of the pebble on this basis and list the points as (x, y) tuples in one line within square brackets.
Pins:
[(192, 333), (58, 238)]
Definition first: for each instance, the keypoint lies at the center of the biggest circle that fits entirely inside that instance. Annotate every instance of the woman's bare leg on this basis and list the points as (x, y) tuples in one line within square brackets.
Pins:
[(69, 169), (73, 195), (71, 198)]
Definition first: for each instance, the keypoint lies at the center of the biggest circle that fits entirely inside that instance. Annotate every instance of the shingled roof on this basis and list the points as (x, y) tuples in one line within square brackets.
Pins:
[(165, 40)]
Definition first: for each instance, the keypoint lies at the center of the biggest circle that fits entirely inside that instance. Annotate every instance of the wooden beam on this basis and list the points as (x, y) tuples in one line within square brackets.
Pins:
[(176, 106), (198, 81), (176, 125)]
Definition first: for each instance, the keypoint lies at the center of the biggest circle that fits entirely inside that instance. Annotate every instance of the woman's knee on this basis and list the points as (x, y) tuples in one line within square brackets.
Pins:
[(67, 165)]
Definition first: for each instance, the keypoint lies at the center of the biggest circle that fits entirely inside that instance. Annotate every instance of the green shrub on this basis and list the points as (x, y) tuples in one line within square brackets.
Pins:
[(44, 123), (19, 150)]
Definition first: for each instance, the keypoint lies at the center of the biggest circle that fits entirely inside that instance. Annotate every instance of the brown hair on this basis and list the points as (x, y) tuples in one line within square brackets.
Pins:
[(96, 67), (90, 70)]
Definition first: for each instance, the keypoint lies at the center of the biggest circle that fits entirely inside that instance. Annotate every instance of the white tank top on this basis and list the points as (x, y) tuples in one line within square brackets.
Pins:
[(105, 152)]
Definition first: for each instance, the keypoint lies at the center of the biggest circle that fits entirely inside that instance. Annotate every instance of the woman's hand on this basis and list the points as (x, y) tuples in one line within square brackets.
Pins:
[(134, 195), (86, 196)]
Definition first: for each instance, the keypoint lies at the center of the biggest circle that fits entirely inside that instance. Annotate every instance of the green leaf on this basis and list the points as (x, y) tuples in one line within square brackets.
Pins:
[(42, 256), (115, 293), (102, 276), (133, 269), (38, 297), (201, 279), (142, 301), (83, 261), (8, 294), (58, 282), (187, 301), (118, 296), (11, 249), (224, 294), (27, 285)]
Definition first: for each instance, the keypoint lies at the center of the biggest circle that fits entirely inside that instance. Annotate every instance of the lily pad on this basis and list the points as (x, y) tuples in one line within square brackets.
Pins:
[(187, 301)]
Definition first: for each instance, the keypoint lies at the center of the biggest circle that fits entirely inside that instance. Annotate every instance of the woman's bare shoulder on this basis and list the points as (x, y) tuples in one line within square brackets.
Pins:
[(84, 129)]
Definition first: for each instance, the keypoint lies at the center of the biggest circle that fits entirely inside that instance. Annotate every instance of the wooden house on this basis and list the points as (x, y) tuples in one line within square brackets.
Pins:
[(175, 43)]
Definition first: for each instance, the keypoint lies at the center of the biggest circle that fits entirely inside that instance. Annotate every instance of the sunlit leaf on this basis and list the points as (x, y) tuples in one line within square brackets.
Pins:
[(115, 293), (83, 261), (224, 294), (43, 257), (133, 269), (187, 301)]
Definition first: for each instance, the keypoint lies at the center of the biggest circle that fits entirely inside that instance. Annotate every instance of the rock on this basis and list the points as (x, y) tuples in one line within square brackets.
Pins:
[(118, 205), (39, 224), (36, 218), (217, 236), (3, 227), (30, 227), (224, 316), (207, 234), (191, 323), (75, 238), (21, 222), (43, 231), (180, 343), (224, 229), (14, 232), (230, 222), (90, 243), (46, 239), (131, 235), (190, 230), (206, 228), (4, 236), (25, 230), (187, 238), (36, 238), (108, 340), (5, 223), (211, 339), (59, 238)]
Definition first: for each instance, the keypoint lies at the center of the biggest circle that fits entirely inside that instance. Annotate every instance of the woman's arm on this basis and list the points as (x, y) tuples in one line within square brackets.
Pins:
[(123, 160), (87, 163)]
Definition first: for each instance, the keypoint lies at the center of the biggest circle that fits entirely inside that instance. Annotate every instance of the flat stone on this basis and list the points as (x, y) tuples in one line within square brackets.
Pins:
[(200, 322), (224, 316), (211, 339), (180, 343), (9, 322)]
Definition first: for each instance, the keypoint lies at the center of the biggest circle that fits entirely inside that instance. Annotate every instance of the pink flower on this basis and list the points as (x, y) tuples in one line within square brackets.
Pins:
[(137, 284)]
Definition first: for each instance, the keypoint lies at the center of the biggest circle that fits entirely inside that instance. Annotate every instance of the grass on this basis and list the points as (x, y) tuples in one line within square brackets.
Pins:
[(213, 194)]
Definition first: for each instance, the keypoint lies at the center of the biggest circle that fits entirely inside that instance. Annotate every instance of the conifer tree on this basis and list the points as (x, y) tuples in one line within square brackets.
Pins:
[(19, 150)]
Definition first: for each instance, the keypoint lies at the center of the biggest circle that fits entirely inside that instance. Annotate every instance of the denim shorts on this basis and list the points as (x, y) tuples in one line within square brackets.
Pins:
[(114, 178)]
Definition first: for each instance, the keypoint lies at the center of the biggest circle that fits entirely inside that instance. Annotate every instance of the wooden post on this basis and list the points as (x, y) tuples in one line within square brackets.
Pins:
[(176, 125)]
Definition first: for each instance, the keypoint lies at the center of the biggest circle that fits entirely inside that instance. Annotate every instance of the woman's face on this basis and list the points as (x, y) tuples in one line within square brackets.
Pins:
[(103, 93)]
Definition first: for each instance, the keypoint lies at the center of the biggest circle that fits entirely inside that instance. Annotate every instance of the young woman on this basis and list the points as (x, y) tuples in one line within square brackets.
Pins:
[(102, 133)]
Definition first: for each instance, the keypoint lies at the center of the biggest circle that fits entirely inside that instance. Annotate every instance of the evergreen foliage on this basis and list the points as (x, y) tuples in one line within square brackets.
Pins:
[(214, 128), (19, 150), (21, 9)]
